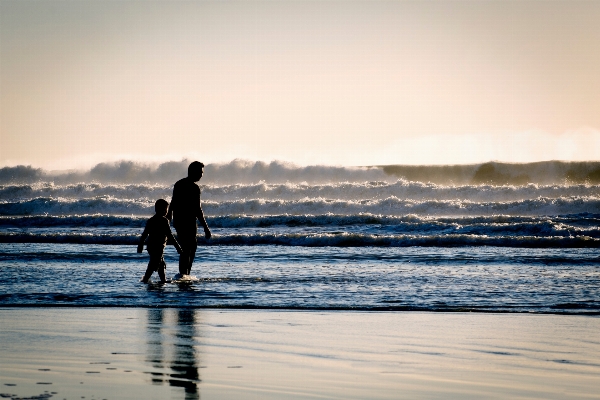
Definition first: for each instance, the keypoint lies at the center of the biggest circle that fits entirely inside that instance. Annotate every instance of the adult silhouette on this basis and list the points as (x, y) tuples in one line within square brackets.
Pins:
[(186, 211)]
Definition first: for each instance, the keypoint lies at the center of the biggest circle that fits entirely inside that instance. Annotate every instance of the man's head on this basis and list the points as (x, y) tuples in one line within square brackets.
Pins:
[(195, 171), (161, 206)]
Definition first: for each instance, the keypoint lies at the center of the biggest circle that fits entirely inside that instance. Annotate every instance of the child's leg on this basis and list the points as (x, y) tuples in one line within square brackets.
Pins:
[(149, 272), (153, 264)]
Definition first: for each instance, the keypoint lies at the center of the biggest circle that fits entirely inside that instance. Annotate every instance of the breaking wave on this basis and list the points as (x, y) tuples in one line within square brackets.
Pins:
[(297, 191), (550, 204), (581, 230), (338, 239)]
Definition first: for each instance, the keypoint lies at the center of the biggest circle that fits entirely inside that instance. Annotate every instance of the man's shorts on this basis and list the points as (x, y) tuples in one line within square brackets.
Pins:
[(187, 239)]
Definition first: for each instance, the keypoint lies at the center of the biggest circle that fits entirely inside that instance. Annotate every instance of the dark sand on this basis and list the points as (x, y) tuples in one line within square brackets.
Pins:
[(212, 354)]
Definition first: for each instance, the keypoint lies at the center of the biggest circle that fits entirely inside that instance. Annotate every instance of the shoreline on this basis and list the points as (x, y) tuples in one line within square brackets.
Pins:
[(188, 353), (408, 309)]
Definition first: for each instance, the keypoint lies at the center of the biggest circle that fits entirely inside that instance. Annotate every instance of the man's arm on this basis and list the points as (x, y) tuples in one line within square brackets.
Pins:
[(170, 210), (207, 233), (200, 216)]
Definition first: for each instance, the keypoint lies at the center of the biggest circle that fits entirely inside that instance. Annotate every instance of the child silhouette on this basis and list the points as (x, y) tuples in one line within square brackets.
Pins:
[(158, 232)]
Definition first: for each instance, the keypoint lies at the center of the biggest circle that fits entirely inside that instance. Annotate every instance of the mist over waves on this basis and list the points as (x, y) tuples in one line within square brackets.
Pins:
[(279, 172), (234, 172)]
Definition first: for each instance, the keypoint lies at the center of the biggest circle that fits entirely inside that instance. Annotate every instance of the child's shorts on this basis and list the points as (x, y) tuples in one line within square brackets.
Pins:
[(157, 261)]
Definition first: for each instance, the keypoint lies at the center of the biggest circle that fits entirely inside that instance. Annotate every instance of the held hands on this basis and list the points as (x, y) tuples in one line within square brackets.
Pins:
[(140, 247)]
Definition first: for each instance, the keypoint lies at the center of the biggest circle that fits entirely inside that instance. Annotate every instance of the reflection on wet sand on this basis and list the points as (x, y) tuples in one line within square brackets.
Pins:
[(171, 351)]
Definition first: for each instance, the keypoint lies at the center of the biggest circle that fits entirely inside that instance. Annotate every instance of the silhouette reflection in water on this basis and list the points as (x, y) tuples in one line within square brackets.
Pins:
[(171, 351)]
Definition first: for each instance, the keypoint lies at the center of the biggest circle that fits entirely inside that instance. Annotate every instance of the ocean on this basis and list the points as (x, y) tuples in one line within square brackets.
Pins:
[(516, 238)]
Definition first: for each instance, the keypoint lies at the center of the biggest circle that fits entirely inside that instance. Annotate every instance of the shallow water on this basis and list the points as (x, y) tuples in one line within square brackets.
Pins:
[(355, 278)]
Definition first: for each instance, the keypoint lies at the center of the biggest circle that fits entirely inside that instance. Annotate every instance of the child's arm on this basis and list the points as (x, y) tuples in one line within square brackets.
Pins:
[(175, 242), (140, 247), (170, 236)]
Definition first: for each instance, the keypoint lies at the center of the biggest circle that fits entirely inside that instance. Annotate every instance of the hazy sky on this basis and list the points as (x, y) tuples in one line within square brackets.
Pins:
[(328, 82)]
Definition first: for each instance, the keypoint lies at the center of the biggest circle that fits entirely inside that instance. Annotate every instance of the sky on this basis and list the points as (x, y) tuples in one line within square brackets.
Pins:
[(309, 82)]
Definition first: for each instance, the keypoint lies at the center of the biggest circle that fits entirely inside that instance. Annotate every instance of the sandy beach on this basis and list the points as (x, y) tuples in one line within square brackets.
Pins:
[(126, 353)]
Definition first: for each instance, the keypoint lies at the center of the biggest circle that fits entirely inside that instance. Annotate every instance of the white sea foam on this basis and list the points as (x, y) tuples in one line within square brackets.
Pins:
[(357, 191), (321, 239), (391, 205)]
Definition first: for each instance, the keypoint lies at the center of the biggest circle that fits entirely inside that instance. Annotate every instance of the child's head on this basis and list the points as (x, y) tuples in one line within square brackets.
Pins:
[(161, 206)]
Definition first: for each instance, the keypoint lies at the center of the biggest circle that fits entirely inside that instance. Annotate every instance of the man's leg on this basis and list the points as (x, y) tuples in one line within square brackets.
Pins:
[(184, 259), (188, 243), (192, 257), (162, 268)]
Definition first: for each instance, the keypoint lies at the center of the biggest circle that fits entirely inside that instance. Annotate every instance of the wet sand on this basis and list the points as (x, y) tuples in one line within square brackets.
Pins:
[(74, 353)]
